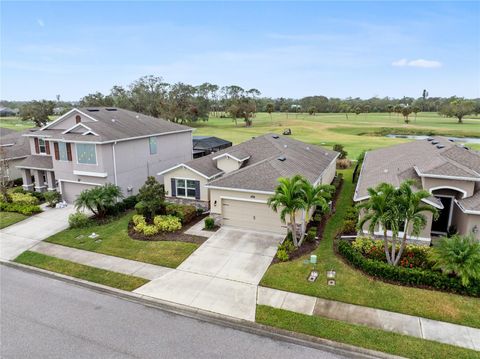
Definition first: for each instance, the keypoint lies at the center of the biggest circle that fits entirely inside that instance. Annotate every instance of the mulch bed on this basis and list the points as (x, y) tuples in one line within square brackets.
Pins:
[(308, 247), (178, 236)]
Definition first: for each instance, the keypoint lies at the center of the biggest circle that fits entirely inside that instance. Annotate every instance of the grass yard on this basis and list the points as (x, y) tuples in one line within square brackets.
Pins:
[(15, 123), (9, 218), (361, 336), (358, 133), (355, 287), (114, 240), (91, 274)]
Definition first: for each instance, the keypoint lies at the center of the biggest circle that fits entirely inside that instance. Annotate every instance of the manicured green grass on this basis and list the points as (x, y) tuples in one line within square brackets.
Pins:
[(356, 133), (15, 123), (361, 336), (91, 274), (355, 287), (114, 240), (9, 218)]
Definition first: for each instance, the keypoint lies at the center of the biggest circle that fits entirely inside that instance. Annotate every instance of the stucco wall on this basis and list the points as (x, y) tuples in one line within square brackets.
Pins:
[(329, 173), (70, 121), (13, 171), (467, 186), (186, 174), (465, 222), (228, 165)]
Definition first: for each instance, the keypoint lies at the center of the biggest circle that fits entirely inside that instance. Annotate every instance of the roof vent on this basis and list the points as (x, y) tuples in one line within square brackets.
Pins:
[(93, 109), (111, 109), (275, 136), (281, 158), (467, 148), (451, 140), (285, 146), (434, 142), (307, 148), (113, 120), (385, 170), (429, 139), (440, 146)]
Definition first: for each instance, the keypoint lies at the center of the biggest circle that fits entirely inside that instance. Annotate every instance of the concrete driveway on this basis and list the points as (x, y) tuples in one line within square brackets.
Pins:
[(222, 275), (23, 235)]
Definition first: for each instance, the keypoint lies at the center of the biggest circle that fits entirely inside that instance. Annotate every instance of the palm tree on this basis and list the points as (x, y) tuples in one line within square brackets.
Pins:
[(459, 255), (411, 211), (378, 211), (99, 199), (314, 196), (288, 198)]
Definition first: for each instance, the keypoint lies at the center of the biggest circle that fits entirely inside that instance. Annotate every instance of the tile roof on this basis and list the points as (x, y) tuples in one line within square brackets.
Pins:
[(113, 124), (37, 161), (261, 171)]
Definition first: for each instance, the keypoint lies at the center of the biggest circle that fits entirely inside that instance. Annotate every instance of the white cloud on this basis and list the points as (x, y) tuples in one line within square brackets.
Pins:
[(418, 63), (40, 23)]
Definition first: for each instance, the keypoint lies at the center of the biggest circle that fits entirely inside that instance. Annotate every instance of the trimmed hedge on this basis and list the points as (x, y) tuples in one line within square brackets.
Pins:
[(406, 276), (25, 209)]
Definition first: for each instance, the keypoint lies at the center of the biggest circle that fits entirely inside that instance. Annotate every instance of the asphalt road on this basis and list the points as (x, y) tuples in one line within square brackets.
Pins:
[(48, 318)]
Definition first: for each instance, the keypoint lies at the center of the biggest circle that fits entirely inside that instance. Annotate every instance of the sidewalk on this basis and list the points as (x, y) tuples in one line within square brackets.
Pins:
[(102, 261), (443, 332)]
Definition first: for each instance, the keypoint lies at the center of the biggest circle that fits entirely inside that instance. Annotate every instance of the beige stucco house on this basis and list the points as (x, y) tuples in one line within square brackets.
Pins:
[(449, 171), (88, 147), (235, 183)]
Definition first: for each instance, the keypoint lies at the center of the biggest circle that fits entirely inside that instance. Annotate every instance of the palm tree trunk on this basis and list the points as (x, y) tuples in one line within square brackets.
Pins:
[(385, 246), (294, 229), (304, 229), (402, 246)]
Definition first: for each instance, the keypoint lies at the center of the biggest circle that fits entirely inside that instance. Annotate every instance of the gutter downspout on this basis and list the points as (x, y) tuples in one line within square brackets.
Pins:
[(114, 164)]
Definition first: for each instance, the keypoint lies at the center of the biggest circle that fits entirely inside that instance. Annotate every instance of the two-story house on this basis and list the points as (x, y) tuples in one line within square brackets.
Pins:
[(88, 147), (450, 172)]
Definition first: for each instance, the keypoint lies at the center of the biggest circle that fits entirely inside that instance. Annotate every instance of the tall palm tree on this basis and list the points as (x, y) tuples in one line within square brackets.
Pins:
[(288, 198), (411, 210), (314, 196), (378, 211)]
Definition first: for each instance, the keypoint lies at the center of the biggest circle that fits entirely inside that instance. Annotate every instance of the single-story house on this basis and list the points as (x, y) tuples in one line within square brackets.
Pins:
[(7, 112), (449, 171), (204, 145), (14, 148), (235, 183)]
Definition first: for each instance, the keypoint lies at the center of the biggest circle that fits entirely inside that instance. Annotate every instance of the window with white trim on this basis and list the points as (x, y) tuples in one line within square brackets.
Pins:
[(62, 151), (42, 147), (186, 188), (86, 153), (152, 142)]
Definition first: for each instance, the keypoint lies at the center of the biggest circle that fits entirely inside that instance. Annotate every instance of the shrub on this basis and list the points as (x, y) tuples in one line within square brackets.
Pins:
[(150, 230), (78, 220), (200, 211), (140, 208), (186, 213), (311, 234), (152, 197), (406, 276), (19, 190), (17, 181), (52, 198), (209, 223), (167, 223), (344, 163), (351, 214), (99, 199), (137, 218), (130, 202), (317, 218), (287, 245), (340, 148), (282, 255), (38, 195), (349, 227), (24, 198), (25, 209), (459, 255)]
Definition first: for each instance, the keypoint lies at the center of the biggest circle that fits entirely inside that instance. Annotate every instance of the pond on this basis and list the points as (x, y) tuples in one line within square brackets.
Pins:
[(422, 137)]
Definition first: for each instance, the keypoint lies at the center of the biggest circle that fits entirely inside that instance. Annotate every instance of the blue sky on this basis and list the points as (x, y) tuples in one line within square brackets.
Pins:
[(289, 49)]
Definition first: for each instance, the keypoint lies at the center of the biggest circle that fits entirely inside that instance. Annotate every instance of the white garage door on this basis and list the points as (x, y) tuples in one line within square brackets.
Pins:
[(70, 190), (251, 215)]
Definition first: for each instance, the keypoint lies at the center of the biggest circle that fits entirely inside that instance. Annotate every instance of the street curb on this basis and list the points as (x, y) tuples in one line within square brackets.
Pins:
[(214, 318)]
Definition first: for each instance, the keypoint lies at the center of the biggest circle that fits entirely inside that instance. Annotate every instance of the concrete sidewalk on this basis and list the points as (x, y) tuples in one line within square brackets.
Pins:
[(103, 261), (443, 332)]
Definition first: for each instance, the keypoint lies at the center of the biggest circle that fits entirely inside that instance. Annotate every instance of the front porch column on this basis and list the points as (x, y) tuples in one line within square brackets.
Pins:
[(51, 181), (27, 180), (39, 182)]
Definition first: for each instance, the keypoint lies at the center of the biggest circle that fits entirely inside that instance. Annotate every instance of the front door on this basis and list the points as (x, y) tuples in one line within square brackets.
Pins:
[(440, 226)]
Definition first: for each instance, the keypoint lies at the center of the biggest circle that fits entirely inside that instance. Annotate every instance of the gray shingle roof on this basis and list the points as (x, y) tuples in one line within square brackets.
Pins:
[(261, 171), (471, 203), (14, 144), (396, 163), (113, 124), (37, 161), (208, 142)]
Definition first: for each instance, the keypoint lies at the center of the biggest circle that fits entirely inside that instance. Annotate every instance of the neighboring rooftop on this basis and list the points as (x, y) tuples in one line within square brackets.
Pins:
[(268, 158), (431, 157), (113, 124), (14, 144), (209, 142), (37, 162)]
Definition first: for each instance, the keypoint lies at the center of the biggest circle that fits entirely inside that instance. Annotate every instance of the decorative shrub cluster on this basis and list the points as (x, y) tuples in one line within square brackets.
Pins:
[(52, 198), (79, 220), (344, 163), (160, 223), (186, 213), (209, 223), (311, 234), (24, 198), (350, 221), (25, 209), (284, 249), (407, 276)]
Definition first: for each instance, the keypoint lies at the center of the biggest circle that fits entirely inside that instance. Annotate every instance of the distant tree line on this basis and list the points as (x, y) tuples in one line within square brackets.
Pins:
[(184, 103)]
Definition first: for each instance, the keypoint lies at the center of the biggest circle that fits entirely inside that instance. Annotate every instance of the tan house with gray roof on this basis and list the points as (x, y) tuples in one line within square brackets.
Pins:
[(235, 183), (89, 147), (449, 171)]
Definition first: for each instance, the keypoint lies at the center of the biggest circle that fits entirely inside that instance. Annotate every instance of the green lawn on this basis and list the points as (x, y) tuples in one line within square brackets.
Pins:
[(357, 288), (9, 218), (361, 336), (91, 274), (356, 134), (114, 240), (15, 123)]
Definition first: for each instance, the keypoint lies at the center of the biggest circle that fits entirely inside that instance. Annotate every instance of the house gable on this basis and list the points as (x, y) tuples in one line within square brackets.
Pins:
[(68, 120)]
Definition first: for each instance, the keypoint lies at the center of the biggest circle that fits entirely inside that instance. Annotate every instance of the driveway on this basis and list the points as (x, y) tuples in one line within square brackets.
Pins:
[(222, 275), (23, 235)]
